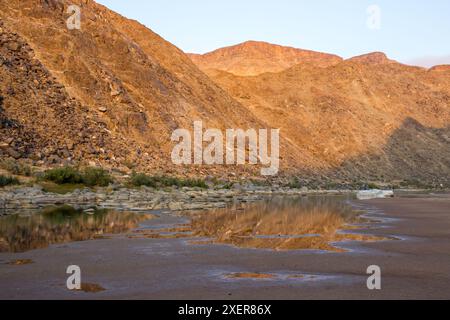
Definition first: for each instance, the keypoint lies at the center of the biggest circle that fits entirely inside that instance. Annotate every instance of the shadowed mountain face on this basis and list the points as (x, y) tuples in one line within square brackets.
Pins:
[(114, 91), (413, 152), (354, 110)]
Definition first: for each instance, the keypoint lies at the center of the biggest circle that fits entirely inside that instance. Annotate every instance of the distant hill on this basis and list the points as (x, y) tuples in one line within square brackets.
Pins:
[(253, 58)]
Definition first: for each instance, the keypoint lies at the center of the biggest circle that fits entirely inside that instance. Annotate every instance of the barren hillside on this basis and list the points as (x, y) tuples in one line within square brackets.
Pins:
[(130, 81), (354, 118), (253, 58)]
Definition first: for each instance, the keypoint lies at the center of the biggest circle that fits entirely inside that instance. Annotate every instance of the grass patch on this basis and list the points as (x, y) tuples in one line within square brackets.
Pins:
[(8, 181), (96, 177), (141, 179)]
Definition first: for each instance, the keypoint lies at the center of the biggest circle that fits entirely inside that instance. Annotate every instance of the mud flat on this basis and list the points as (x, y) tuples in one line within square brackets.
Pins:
[(415, 267)]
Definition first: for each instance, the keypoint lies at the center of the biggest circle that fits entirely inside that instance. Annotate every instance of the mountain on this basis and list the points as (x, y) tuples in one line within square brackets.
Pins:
[(114, 73), (253, 58), (366, 118), (113, 92)]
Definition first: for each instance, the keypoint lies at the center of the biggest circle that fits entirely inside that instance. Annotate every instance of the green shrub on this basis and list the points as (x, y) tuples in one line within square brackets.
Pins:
[(199, 183), (7, 181), (68, 175), (373, 186), (141, 179), (96, 177), (63, 175), (295, 183)]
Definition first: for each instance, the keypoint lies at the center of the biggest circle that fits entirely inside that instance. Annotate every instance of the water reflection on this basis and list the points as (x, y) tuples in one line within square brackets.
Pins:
[(20, 233), (282, 223), (279, 223), (280, 216)]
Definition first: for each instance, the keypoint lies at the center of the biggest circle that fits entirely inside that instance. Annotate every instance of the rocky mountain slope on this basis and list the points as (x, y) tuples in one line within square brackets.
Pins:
[(367, 118), (132, 83), (112, 93), (38, 119), (253, 58)]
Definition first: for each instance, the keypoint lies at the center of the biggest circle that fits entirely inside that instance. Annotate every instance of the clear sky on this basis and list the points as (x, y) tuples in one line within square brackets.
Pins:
[(410, 31)]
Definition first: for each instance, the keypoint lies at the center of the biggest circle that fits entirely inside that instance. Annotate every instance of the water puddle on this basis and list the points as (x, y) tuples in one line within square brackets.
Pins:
[(279, 223), (20, 233), (277, 276)]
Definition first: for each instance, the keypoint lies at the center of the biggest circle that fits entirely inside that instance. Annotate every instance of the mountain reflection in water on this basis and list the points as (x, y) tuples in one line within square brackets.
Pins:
[(279, 223), (20, 233), (282, 223)]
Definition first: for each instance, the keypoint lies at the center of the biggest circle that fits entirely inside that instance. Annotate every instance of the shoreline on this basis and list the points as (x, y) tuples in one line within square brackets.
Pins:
[(145, 198)]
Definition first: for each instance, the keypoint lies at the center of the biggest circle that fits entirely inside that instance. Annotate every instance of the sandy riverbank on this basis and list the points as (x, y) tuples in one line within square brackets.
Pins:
[(416, 268)]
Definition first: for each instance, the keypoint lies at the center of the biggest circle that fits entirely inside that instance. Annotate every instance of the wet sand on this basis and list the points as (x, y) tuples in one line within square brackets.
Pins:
[(417, 267)]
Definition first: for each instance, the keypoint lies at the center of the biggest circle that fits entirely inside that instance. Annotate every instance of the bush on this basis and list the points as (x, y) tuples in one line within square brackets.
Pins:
[(90, 176), (64, 175), (373, 186), (141, 179), (7, 181), (96, 177), (295, 184)]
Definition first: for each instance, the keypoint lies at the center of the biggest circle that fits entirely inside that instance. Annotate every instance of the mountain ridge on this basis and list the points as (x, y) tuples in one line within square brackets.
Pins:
[(112, 93)]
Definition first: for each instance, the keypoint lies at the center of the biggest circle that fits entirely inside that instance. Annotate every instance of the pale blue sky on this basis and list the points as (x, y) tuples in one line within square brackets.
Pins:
[(412, 31)]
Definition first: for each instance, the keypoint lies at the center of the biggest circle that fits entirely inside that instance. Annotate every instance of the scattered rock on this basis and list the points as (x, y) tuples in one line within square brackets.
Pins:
[(13, 46)]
